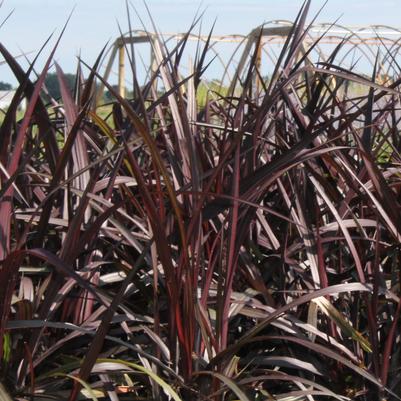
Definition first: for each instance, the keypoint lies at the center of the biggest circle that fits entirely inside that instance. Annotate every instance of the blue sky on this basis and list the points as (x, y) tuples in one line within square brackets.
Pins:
[(94, 22)]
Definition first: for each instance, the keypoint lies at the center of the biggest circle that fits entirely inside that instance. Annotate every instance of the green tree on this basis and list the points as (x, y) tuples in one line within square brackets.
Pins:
[(52, 84), (5, 86)]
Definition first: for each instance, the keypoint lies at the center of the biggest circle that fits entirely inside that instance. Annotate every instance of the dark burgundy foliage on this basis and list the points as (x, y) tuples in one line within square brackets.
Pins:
[(243, 247)]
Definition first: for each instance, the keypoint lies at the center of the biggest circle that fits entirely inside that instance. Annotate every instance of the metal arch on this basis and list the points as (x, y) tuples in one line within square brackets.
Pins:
[(379, 39), (357, 35), (361, 50), (354, 33), (230, 60), (112, 50), (387, 62), (211, 47), (397, 47), (363, 41), (274, 31), (392, 28)]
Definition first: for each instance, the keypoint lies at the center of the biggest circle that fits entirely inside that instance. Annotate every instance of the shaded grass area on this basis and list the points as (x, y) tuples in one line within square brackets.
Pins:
[(192, 247)]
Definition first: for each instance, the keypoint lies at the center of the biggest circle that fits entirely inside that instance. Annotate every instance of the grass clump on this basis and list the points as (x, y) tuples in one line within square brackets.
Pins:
[(188, 247)]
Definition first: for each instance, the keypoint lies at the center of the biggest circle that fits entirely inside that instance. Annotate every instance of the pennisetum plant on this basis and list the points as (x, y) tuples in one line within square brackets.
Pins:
[(185, 246)]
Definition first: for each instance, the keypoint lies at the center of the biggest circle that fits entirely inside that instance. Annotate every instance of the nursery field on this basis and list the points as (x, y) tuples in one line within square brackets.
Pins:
[(240, 242)]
